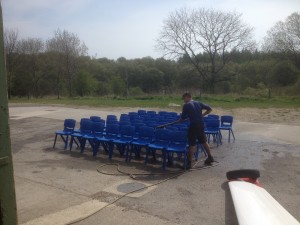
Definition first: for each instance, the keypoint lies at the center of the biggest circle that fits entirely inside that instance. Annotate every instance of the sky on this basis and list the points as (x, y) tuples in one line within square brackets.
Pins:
[(128, 28)]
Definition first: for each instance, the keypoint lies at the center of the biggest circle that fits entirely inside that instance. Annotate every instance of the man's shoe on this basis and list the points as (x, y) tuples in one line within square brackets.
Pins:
[(209, 160)]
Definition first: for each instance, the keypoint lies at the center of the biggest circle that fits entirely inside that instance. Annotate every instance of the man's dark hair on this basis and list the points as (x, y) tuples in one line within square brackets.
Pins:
[(187, 94)]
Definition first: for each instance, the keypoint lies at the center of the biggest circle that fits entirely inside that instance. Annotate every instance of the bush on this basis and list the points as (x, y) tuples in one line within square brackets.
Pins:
[(135, 91)]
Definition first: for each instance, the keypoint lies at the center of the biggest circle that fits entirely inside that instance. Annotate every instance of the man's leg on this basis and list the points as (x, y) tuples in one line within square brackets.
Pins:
[(209, 159), (202, 139), (191, 153), (207, 149)]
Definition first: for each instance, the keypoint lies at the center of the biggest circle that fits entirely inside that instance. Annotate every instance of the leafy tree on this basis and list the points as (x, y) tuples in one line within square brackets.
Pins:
[(284, 37), (118, 86), (85, 84), (209, 32), (31, 48), (70, 48), (10, 48)]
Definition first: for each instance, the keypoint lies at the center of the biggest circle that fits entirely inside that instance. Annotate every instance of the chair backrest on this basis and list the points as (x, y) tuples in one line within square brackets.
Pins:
[(151, 123), (112, 129), (134, 117), (172, 128), (97, 127), (172, 114), (212, 124), (151, 112), (179, 137), (124, 123), (141, 112), (135, 121), (69, 125), (162, 135), (108, 117), (213, 116), (138, 126), (146, 132), (86, 126), (127, 131), (162, 113), (83, 119), (226, 120), (95, 118)]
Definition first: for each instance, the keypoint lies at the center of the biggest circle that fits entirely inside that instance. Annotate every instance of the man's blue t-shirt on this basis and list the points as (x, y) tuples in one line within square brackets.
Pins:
[(193, 111)]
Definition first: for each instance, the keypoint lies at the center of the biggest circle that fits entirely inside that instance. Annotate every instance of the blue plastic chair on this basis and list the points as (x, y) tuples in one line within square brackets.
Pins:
[(81, 121), (226, 124), (112, 132), (161, 142), (212, 129), (69, 125), (123, 142), (85, 129), (145, 137), (97, 130), (178, 144)]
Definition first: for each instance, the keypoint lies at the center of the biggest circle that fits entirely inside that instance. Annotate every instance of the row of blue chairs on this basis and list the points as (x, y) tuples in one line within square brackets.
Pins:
[(126, 140)]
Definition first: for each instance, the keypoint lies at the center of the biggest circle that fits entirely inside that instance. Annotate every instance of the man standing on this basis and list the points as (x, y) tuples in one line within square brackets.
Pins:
[(192, 110)]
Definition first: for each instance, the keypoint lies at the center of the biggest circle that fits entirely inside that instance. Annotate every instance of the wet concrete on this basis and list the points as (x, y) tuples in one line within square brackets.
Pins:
[(49, 181)]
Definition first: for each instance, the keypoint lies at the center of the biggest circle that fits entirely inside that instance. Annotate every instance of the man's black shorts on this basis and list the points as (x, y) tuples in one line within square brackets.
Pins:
[(196, 132)]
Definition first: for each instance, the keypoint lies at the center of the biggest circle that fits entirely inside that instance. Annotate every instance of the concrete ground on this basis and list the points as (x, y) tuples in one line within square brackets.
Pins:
[(59, 186)]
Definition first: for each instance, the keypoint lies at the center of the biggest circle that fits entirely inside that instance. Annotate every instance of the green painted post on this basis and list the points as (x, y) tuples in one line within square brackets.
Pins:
[(8, 209)]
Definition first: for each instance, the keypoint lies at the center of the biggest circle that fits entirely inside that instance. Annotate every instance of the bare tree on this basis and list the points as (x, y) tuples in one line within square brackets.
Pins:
[(32, 47), (69, 47), (190, 33), (285, 37), (10, 48)]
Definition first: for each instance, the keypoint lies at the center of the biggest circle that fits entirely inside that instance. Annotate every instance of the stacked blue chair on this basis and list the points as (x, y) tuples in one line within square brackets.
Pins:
[(137, 127), (161, 142), (81, 121), (145, 137), (111, 133), (111, 119), (226, 124), (97, 131), (212, 128), (178, 144), (123, 142), (69, 125), (85, 130)]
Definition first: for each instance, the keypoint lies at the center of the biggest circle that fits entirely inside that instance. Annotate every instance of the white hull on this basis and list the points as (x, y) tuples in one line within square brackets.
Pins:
[(255, 206)]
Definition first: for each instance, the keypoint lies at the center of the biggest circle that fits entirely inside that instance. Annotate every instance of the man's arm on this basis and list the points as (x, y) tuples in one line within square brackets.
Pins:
[(169, 124), (207, 111), (207, 108)]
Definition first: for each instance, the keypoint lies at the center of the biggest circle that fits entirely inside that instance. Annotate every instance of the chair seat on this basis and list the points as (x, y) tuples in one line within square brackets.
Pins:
[(61, 132), (106, 138), (122, 141), (225, 127), (158, 146), (141, 142), (88, 136), (177, 147), (211, 131)]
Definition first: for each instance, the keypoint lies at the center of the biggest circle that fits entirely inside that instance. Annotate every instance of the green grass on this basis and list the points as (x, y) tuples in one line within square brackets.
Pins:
[(226, 101)]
